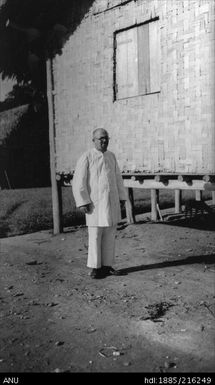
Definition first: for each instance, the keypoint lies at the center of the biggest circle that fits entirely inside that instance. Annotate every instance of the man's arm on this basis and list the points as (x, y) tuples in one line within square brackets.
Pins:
[(79, 183), (120, 185)]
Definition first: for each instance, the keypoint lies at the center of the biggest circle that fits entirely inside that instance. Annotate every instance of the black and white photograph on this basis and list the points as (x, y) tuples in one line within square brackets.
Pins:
[(107, 189)]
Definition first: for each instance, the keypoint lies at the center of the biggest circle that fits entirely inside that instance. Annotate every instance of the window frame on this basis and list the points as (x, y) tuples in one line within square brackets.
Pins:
[(115, 91)]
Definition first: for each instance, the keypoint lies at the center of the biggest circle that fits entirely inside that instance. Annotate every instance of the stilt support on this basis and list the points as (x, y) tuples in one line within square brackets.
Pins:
[(198, 195), (178, 200), (154, 204), (129, 206), (213, 197), (60, 199)]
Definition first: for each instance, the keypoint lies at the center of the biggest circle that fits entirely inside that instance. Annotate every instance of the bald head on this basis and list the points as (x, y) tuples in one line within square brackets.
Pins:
[(100, 139), (99, 132)]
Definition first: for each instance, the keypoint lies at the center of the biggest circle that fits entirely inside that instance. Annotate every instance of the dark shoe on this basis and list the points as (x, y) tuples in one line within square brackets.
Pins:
[(96, 273), (108, 270)]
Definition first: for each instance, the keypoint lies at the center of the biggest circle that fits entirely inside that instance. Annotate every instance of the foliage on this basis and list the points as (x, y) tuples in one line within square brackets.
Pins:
[(41, 29), (24, 151), (31, 31), (22, 94)]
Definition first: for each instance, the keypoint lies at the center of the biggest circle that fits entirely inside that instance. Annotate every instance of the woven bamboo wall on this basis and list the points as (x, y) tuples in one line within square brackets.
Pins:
[(170, 131)]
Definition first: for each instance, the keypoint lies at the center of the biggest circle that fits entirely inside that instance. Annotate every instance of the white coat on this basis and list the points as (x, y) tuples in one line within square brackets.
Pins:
[(97, 181)]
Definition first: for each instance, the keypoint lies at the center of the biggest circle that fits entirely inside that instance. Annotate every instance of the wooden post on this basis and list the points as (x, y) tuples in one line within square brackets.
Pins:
[(158, 202), (213, 197), (131, 196), (158, 196), (60, 198), (56, 211), (178, 195), (154, 196), (129, 206), (198, 195)]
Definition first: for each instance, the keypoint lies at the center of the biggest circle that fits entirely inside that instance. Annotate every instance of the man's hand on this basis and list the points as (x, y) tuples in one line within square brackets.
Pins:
[(85, 209)]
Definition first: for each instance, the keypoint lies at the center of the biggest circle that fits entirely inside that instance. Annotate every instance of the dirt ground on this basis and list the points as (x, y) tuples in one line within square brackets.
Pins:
[(158, 317)]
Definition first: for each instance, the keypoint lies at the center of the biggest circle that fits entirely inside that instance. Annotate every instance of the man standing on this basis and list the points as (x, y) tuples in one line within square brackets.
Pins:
[(98, 191)]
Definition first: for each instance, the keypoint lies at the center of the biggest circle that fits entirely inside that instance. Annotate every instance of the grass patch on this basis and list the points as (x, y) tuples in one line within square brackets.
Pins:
[(29, 210)]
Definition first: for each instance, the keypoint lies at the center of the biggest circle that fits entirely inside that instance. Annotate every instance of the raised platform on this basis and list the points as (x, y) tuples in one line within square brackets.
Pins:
[(156, 181), (178, 182)]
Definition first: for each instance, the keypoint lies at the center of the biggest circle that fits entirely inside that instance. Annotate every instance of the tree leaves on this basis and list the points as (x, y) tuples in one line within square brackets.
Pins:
[(35, 29)]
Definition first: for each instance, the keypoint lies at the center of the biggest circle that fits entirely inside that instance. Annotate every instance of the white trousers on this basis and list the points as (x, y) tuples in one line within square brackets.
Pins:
[(101, 246)]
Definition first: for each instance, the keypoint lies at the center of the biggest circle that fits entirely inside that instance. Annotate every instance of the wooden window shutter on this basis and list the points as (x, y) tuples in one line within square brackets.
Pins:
[(126, 64), (148, 58), (143, 59), (137, 61), (154, 50)]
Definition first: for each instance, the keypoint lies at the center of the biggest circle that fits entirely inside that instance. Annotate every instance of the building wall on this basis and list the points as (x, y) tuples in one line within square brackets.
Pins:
[(170, 131)]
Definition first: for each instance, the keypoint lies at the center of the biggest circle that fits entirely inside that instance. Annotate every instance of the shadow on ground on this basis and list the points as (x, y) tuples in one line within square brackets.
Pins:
[(202, 259), (200, 222)]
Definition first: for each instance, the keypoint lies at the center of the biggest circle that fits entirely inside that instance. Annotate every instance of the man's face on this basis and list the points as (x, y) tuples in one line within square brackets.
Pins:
[(101, 140)]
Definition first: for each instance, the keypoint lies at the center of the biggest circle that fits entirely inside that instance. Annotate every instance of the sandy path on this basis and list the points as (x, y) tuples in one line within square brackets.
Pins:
[(159, 317)]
